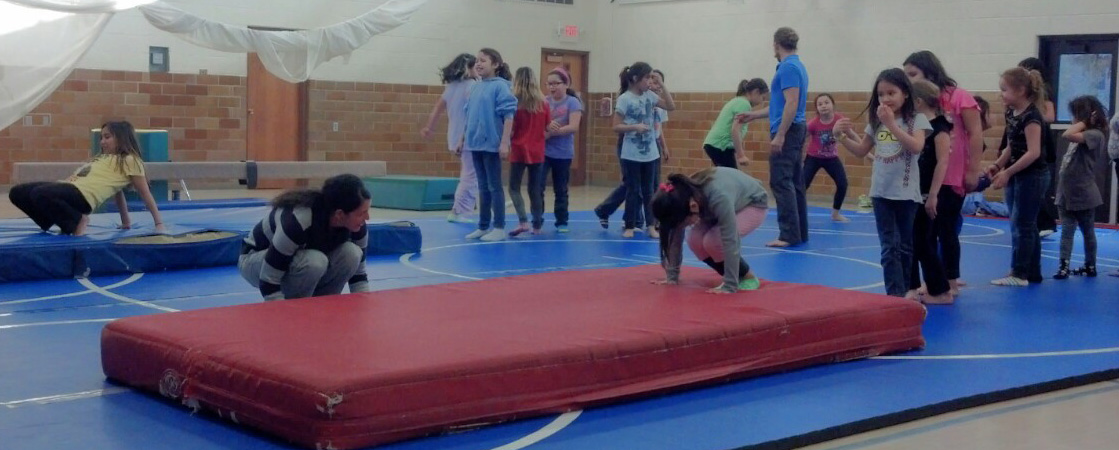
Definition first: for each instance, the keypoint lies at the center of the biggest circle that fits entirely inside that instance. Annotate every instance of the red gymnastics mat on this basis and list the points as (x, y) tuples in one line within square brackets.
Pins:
[(357, 370)]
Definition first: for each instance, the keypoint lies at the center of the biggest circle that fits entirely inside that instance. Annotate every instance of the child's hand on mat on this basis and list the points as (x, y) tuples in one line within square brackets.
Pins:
[(159, 228), (664, 281)]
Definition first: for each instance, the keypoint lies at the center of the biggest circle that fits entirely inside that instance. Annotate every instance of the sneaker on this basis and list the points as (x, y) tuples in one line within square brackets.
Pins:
[(864, 202), (750, 284), (1010, 281), (496, 234), (456, 218), (477, 234), (603, 220), (562, 229), (1046, 233)]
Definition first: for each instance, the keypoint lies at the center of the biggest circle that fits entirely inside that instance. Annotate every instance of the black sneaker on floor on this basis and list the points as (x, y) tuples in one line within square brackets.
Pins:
[(603, 221)]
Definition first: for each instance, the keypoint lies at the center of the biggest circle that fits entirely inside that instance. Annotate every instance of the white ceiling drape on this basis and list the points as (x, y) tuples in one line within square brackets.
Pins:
[(42, 40)]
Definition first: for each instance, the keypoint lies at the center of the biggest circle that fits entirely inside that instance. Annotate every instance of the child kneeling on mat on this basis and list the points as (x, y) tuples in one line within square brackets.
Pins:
[(721, 205), (68, 203), (312, 243)]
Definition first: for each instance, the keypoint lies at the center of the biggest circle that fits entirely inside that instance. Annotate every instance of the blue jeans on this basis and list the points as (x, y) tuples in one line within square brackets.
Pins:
[(639, 192), (786, 179), (894, 219), (561, 177), (1024, 194), (488, 167)]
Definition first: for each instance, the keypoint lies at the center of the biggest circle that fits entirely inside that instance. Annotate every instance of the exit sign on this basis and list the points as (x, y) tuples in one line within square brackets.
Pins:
[(568, 32)]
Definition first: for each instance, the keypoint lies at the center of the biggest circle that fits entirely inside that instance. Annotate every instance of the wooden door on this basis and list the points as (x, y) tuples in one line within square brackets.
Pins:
[(276, 122), (575, 63)]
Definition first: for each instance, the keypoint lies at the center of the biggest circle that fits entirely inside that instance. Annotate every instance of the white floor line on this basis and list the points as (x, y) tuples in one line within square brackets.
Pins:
[(63, 397), (59, 322), (406, 259), (1005, 356), (129, 280), (553, 427), (100, 290)]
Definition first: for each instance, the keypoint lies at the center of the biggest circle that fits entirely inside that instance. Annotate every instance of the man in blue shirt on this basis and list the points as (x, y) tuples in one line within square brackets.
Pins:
[(787, 129)]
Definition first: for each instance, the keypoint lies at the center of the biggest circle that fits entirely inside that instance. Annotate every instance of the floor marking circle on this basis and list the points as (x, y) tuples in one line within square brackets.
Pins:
[(129, 280)]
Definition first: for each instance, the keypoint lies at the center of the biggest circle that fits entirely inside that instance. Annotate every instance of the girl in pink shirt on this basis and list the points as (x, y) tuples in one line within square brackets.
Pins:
[(823, 153), (964, 158)]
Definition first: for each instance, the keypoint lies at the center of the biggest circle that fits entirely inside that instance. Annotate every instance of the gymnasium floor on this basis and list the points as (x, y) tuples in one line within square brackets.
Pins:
[(995, 343)]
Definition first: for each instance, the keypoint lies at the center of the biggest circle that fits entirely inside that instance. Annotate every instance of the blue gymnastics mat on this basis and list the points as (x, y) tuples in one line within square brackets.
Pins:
[(196, 238)]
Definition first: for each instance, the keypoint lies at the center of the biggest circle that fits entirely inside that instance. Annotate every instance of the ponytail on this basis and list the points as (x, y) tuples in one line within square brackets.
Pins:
[(1029, 81), (1037, 86), (625, 80), (630, 74), (504, 72)]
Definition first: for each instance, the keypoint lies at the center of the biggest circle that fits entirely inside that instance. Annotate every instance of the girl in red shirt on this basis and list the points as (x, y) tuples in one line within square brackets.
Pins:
[(527, 149)]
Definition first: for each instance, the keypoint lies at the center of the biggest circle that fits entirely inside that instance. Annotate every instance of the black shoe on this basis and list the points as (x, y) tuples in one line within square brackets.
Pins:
[(1062, 272), (1088, 271), (603, 221)]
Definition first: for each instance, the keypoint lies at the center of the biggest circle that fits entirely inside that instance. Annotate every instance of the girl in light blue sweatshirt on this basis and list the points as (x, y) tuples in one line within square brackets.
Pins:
[(489, 128)]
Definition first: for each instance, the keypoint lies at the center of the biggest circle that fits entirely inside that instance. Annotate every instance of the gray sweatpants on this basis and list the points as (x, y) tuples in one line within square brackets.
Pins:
[(311, 274)]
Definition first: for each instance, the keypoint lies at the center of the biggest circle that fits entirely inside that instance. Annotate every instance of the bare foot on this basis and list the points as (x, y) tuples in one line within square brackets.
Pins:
[(628, 233), (943, 299), (777, 243), (837, 217), (653, 234), (913, 294), (82, 225)]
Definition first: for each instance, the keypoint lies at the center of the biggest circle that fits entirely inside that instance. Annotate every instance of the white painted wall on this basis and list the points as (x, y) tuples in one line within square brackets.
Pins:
[(702, 45), (409, 54), (709, 45)]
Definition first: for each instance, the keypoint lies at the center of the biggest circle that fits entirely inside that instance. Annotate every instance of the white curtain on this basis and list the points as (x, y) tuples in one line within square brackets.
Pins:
[(42, 40), (289, 55)]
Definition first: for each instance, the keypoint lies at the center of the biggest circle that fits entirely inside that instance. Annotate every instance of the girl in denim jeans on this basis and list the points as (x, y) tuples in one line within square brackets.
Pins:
[(896, 133), (1022, 170)]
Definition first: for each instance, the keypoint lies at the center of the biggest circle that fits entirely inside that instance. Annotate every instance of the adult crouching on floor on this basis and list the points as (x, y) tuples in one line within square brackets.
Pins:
[(312, 243)]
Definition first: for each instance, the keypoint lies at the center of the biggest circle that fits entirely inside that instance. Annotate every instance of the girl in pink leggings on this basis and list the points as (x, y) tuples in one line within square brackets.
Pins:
[(721, 205)]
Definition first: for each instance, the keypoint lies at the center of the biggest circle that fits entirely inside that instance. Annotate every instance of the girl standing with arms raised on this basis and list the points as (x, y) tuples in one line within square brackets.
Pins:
[(823, 153), (724, 141), (896, 133), (1021, 168), (69, 203), (559, 148), (527, 153), (489, 128), (634, 117), (458, 78)]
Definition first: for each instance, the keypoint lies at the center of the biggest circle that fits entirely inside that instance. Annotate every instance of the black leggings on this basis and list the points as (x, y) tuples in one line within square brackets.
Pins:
[(51, 203), (834, 168), (721, 157)]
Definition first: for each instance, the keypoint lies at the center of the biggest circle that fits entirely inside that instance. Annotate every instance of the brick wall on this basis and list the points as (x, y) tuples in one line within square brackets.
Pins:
[(689, 123), (380, 122), (203, 113)]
